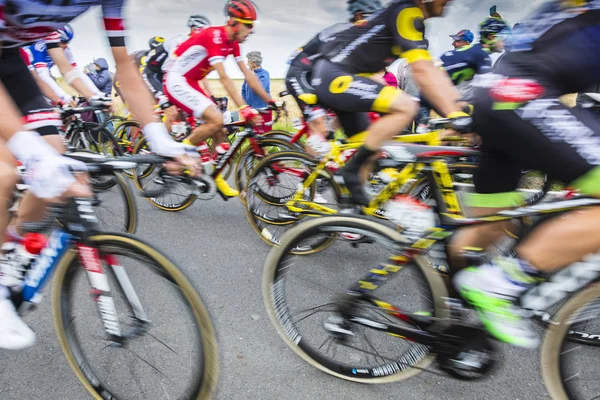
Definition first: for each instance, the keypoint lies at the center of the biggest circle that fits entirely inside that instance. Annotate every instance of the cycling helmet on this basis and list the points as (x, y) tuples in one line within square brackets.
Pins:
[(198, 22), (155, 42), (244, 11), (66, 33), (491, 26), (364, 6)]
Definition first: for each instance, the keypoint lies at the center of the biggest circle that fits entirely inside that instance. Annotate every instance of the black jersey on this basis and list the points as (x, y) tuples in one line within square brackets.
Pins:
[(560, 42), (304, 56), (370, 45)]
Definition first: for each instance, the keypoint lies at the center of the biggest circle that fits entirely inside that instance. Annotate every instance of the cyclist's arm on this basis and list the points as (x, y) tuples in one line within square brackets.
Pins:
[(73, 76), (254, 82), (408, 28), (436, 87), (139, 99), (229, 85), (46, 89), (206, 86), (43, 75)]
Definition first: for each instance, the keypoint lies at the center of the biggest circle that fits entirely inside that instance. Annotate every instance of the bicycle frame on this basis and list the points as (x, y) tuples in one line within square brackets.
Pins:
[(538, 299), (299, 205), (80, 222)]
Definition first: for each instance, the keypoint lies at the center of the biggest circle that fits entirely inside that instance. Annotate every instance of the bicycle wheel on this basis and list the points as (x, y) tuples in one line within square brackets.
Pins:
[(116, 210), (249, 159), (178, 334), (125, 133), (301, 293), (567, 372), (93, 138), (275, 181), (147, 178)]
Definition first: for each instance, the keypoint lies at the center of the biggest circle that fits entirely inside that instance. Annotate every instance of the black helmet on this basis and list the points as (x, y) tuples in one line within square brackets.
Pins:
[(155, 42), (364, 6)]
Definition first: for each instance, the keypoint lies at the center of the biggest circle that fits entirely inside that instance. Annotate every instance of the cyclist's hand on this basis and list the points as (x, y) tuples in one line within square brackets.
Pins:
[(49, 174), (99, 100), (186, 157), (462, 122), (251, 115), (276, 105)]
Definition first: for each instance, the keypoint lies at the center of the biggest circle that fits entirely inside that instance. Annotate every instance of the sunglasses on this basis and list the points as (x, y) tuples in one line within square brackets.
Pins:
[(248, 24)]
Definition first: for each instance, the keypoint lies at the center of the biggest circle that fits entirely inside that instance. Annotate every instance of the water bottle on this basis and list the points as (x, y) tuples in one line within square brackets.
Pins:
[(19, 258), (221, 150), (205, 157)]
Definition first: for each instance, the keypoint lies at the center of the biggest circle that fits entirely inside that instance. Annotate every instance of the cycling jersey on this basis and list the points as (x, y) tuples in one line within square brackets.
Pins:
[(191, 62), (195, 57), (462, 64), (518, 112), (41, 58), (26, 21), (298, 76), (157, 58), (27, 57), (397, 31)]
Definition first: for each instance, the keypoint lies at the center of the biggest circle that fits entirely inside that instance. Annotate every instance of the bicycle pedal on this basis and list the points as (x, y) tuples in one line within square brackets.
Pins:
[(287, 217)]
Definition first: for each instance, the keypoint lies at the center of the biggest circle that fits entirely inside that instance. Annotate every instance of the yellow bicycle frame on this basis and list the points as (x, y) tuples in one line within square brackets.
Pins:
[(441, 173)]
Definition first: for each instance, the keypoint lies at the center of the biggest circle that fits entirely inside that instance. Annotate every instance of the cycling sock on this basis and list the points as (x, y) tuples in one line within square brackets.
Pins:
[(519, 271), (359, 159)]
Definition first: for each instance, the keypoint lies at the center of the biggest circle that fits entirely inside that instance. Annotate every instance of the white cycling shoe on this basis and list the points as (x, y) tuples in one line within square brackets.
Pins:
[(14, 333)]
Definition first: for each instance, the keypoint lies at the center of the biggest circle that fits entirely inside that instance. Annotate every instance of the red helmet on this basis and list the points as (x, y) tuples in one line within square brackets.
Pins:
[(242, 10)]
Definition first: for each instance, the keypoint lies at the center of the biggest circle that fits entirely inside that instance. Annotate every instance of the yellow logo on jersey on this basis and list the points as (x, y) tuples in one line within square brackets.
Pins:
[(405, 24)]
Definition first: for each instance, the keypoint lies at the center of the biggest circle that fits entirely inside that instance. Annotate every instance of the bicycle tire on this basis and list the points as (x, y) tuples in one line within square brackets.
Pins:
[(247, 159), (146, 171), (122, 135), (64, 275), (269, 228), (278, 312), (95, 139), (556, 336), (130, 214)]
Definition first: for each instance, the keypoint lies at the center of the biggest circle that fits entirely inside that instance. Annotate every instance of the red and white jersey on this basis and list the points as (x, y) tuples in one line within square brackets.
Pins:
[(27, 57), (27, 21), (195, 58)]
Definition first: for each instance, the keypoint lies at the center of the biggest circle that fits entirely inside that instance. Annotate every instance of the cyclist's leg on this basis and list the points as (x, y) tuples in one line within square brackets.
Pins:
[(542, 134), (297, 82), (495, 181), (343, 91), (14, 333), (40, 117), (189, 97)]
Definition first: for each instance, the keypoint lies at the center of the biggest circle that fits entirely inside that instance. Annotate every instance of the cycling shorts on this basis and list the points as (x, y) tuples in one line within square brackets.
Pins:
[(524, 125), (297, 82), (351, 96), (22, 87), (154, 80), (187, 95)]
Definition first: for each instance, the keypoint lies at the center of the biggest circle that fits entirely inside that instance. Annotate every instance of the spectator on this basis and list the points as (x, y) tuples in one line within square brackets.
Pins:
[(462, 39), (251, 98), (101, 77)]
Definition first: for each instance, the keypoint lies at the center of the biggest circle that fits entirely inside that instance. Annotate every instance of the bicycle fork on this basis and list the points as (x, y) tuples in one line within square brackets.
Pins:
[(100, 291)]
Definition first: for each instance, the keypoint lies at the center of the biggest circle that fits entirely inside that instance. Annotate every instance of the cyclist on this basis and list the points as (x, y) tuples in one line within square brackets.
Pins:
[(298, 77), (203, 52), (48, 172), (522, 122), (367, 48), (463, 63), (43, 61), (462, 39), (60, 99), (157, 63)]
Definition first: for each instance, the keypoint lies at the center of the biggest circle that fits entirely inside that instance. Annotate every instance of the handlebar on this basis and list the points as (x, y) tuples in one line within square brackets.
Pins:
[(69, 111), (457, 124)]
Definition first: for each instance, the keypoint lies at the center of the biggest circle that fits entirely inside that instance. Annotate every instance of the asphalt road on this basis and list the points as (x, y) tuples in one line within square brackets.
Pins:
[(222, 255)]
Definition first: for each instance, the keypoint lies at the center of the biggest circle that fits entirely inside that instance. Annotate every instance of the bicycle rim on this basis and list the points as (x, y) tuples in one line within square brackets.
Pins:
[(204, 362), (291, 321)]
